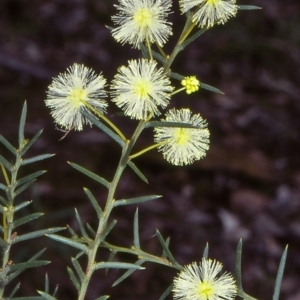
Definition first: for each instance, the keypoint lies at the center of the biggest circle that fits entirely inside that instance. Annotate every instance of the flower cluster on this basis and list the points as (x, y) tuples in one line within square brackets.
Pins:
[(140, 88), (142, 20), (191, 84), (210, 12), (179, 145), (70, 92), (202, 282)]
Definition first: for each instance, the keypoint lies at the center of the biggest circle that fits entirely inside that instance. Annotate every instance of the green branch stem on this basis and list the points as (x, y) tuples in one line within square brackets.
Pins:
[(8, 216), (189, 26), (142, 255), (125, 158), (127, 148)]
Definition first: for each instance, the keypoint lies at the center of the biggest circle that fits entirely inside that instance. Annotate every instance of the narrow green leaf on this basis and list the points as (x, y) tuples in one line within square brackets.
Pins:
[(245, 296), (31, 142), (248, 7), (167, 241), (22, 205), (16, 288), (24, 187), (68, 242), (81, 227), (136, 238), (7, 144), (37, 233), (110, 258), (171, 124), (137, 171), (210, 88), (117, 265), (3, 244), (129, 272), (158, 57), (36, 158), (136, 200), (280, 275), (29, 177), (72, 232), (46, 296), (79, 254), (166, 248), (166, 292), (205, 252), (37, 255), (238, 263), (144, 51), (177, 76), (33, 258), (103, 297), (104, 128), (28, 264), (78, 269), (55, 290), (46, 283), (94, 203), (3, 187), (192, 38), (107, 230), (73, 278), (22, 123), (90, 229), (26, 298), (26, 219), (90, 174), (5, 163)]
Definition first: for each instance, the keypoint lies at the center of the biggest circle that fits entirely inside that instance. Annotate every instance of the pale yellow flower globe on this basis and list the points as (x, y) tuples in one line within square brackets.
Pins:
[(203, 282), (140, 89), (78, 89), (207, 13), (139, 21), (182, 146)]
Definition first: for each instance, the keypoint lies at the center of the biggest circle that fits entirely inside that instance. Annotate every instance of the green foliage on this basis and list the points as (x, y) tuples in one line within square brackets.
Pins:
[(13, 188), (280, 274)]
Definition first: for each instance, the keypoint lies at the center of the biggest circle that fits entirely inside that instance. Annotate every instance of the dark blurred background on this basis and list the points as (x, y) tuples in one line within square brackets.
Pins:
[(247, 187)]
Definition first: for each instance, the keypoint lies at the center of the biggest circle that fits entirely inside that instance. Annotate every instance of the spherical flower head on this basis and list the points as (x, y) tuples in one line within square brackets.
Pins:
[(141, 20), (140, 88), (202, 282), (182, 146), (210, 12), (70, 92), (191, 84)]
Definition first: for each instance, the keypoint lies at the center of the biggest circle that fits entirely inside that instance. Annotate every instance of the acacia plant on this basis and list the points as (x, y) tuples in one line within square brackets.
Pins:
[(143, 89)]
